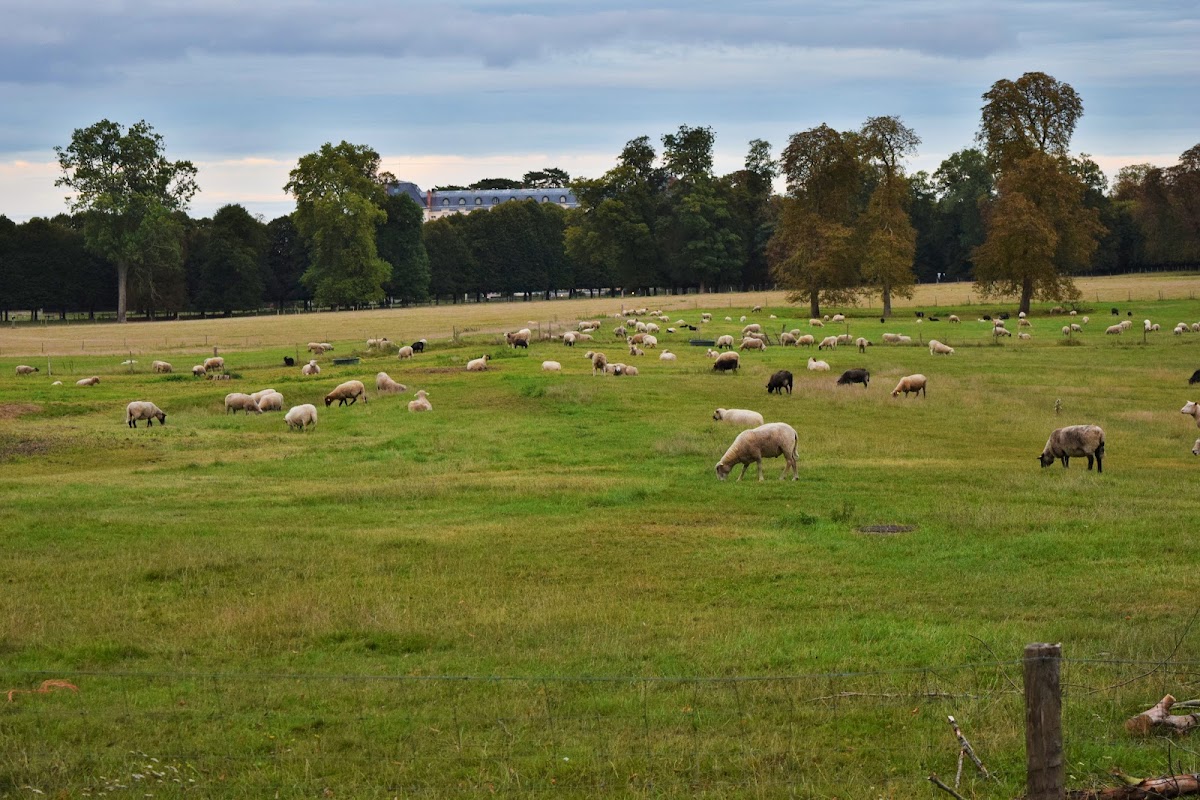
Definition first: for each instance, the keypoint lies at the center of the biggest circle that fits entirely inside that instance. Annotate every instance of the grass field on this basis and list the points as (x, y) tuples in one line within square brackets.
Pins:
[(219, 587)]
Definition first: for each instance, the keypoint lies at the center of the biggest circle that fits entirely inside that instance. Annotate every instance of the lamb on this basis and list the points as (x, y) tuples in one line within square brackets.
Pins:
[(937, 348), (271, 402), (726, 362), (347, 393), (144, 409), (766, 441), (710, 353), (999, 332), (651, 328), (637, 338), (1192, 409), (855, 376), (237, 401), (300, 418), (405, 352), (1126, 324), (1024, 336), (519, 339), (829, 341), (92, 381), (911, 383), (1075, 440), (753, 344), (216, 362), (599, 362), (1115, 330), (666, 355), (817, 366), (25, 369), (385, 384), (1196, 448), (807, 340), (551, 366), (634, 350), (779, 381), (421, 403), (198, 371), (998, 323), (725, 341), (218, 377), (478, 364), (1024, 323), (310, 368), (862, 344), (160, 366)]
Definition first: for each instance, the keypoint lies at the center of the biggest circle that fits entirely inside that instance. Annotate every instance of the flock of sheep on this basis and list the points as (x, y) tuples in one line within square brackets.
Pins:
[(759, 440)]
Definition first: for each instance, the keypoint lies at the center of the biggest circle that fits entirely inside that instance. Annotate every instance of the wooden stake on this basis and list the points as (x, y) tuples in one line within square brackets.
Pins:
[(1043, 723)]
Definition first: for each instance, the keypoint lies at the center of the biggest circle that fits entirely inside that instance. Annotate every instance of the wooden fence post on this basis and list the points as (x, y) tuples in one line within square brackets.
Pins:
[(1043, 723)]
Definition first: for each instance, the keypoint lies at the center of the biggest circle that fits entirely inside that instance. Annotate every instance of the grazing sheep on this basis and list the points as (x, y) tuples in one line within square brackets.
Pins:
[(779, 381), (347, 393), (953, 318), (144, 409), (651, 327), (706, 317), (1066, 330), (753, 327), (726, 362), (725, 341), (160, 367), (998, 323), (271, 402), (372, 343), (937, 348), (599, 362), (862, 344), (478, 364), (1024, 335), (1126, 324), (568, 338), (666, 355), (1021, 314), (1196, 327), (199, 371), (405, 352), (1192, 409), (618, 331), (751, 343), (787, 339), (1195, 378), (756, 310), (845, 338), (310, 368), (817, 366), (301, 417), (316, 348), (829, 341), (904, 339), (1024, 323), (288, 361), (1075, 440), (219, 377), (766, 441), (25, 369), (1076, 328), (92, 381), (421, 403), (911, 383), (551, 366), (384, 383), (650, 341), (216, 362), (1155, 328), (1114, 330), (891, 338), (816, 323), (589, 325), (237, 401), (419, 345), (523, 344), (260, 394), (839, 318), (1085, 320), (637, 338), (855, 376), (807, 340), (1000, 332), (522, 336)]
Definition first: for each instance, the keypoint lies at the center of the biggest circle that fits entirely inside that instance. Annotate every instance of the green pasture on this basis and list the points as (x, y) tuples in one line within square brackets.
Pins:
[(220, 580)]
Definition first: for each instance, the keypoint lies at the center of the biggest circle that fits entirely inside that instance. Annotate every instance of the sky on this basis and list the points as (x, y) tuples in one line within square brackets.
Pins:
[(454, 92)]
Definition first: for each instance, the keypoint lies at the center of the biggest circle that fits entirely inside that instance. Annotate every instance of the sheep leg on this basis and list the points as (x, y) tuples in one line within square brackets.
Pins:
[(133, 423), (745, 467), (760, 472), (149, 423), (1066, 462), (1090, 460), (1099, 463)]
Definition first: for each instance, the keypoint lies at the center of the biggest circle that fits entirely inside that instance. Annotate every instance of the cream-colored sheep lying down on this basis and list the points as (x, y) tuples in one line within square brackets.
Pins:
[(421, 403), (1075, 440), (817, 366), (311, 368), (551, 366), (144, 409), (384, 383), (239, 401), (300, 418), (766, 441), (92, 381), (741, 417), (478, 364)]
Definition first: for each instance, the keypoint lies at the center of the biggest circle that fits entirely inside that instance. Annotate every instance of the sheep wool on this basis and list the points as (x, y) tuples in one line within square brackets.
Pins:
[(25, 369), (1075, 440), (817, 366), (478, 364), (301, 418), (421, 403), (936, 348), (551, 366), (766, 441), (92, 381), (741, 417)]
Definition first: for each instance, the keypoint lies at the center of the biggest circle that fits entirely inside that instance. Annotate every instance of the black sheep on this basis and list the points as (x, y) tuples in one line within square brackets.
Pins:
[(779, 381), (987, 317), (288, 361), (855, 376), (1116, 312), (1195, 378), (418, 347), (517, 343)]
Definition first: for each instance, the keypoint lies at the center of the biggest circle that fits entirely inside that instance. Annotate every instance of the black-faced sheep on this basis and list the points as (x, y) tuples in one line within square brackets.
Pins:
[(779, 381), (855, 376), (24, 369), (419, 346), (726, 362), (1195, 378), (347, 393), (766, 441), (911, 383), (522, 335), (724, 342), (1075, 440), (144, 409)]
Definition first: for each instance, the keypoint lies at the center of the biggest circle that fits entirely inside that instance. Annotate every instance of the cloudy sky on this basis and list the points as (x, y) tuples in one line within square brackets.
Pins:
[(452, 92)]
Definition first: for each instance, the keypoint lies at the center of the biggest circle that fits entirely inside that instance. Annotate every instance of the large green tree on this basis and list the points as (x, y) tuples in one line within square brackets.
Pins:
[(1034, 114), (340, 192), (400, 244), (129, 190), (226, 262), (887, 235), (754, 213)]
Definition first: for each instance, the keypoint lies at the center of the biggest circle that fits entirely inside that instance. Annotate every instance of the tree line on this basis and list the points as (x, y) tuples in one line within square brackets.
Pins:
[(1017, 212)]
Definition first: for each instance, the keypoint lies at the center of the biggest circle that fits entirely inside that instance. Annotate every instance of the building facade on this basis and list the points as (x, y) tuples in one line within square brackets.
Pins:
[(439, 204)]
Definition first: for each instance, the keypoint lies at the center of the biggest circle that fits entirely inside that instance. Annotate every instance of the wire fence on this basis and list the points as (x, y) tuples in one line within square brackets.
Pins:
[(871, 734)]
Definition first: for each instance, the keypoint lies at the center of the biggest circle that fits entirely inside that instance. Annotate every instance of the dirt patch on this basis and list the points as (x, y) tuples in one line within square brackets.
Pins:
[(16, 446), (886, 530), (14, 410)]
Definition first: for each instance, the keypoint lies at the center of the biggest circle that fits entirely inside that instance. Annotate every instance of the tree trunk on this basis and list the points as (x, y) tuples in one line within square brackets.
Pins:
[(122, 289), (1026, 294), (887, 301), (814, 304)]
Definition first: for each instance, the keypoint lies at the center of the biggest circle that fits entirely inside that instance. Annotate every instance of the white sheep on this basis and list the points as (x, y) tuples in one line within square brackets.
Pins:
[(599, 362), (706, 317), (666, 355), (1066, 330), (911, 383), (839, 318), (1075, 440), (301, 417), (807, 340), (829, 341), (216, 362), (478, 364), (1086, 320), (751, 343), (1024, 323), (788, 339), (1024, 336), (160, 366), (953, 318), (891, 338), (1126, 324), (421, 403), (904, 339), (738, 416), (1000, 332), (405, 352), (651, 327), (1076, 328), (239, 401), (144, 409), (1192, 409), (634, 350), (568, 338), (1196, 448), (862, 344), (1114, 330), (260, 394), (710, 353), (937, 348), (272, 401), (310, 368), (317, 348), (1021, 315), (753, 327), (551, 366), (650, 341), (627, 370), (57, 383), (384, 383), (766, 441), (845, 338), (817, 366), (25, 369), (816, 323), (347, 393), (724, 341), (92, 381), (199, 371)]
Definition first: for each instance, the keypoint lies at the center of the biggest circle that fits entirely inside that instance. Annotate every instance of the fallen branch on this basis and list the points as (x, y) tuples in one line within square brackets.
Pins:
[(965, 747), (1148, 789), (45, 688), (934, 780), (1160, 716)]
